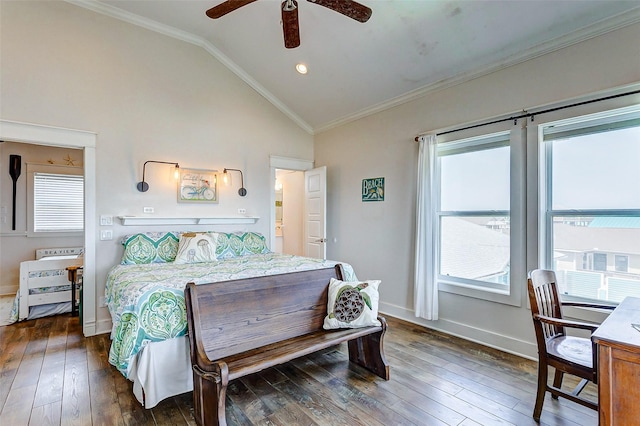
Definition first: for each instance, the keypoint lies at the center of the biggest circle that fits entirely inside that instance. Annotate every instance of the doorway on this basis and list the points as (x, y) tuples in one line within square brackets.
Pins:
[(56, 136), (289, 209), (286, 165)]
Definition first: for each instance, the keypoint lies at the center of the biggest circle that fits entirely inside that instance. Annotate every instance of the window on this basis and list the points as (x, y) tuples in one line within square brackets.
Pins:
[(56, 195), (622, 263), (473, 213), (599, 261), (592, 204)]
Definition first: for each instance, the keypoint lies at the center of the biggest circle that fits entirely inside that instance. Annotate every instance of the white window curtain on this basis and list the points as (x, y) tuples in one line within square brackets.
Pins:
[(425, 286)]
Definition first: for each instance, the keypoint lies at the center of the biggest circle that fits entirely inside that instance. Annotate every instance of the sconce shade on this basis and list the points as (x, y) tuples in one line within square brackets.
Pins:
[(143, 186), (226, 178)]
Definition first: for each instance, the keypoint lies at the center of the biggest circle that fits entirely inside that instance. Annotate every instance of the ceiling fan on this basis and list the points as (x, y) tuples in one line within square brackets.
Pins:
[(289, 9)]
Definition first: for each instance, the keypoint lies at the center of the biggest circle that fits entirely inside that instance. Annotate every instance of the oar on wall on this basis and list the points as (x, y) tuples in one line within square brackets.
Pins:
[(15, 167)]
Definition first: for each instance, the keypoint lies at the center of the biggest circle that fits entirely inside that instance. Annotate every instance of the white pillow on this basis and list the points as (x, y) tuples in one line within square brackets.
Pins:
[(196, 247), (352, 304)]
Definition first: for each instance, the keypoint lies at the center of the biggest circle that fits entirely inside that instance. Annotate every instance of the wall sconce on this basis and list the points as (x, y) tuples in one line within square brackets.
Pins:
[(226, 178), (144, 186)]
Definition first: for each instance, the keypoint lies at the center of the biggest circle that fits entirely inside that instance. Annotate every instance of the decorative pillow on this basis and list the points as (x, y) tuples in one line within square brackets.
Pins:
[(196, 247), (352, 304), (240, 244), (150, 247)]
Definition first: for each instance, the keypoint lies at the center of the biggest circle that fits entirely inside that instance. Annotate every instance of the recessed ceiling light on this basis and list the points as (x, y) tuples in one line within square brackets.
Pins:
[(302, 68)]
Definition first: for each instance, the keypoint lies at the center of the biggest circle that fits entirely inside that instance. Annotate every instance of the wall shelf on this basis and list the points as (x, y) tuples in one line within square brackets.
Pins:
[(148, 220)]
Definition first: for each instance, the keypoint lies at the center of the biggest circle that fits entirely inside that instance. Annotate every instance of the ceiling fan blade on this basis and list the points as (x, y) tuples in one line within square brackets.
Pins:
[(226, 7), (290, 26), (352, 9)]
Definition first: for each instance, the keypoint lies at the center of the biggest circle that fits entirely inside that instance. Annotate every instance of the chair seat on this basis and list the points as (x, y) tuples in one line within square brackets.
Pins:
[(574, 349)]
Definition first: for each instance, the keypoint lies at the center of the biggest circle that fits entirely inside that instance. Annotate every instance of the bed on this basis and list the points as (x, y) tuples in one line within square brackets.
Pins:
[(44, 285), (146, 302)]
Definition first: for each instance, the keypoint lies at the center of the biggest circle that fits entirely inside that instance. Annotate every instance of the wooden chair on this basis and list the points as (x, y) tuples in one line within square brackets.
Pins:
[(566, 354)]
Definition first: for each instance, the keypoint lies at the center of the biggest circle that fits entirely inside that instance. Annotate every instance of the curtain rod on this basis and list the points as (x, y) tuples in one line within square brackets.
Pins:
[(533, 114)]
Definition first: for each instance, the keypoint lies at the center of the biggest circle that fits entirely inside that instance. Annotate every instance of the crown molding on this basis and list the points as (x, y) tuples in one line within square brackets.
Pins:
[(188, 37), (600, 28)]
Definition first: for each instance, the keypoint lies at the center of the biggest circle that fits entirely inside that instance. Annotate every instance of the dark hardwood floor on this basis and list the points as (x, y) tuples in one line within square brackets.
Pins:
[(52, 375)]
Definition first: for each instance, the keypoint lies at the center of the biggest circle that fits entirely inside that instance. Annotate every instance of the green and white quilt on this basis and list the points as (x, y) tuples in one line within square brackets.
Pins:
[(147, 304)]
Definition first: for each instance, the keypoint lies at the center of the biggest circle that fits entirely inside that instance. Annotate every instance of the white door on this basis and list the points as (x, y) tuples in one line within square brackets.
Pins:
[(315, 212)]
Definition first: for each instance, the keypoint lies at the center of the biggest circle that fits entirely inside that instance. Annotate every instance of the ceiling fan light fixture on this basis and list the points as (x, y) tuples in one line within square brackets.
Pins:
[(302, 68), (289, 5)]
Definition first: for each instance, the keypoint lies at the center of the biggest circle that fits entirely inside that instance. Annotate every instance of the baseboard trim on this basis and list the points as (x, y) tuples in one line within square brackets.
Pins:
[(8, 290), (103, 326), (528, 350)]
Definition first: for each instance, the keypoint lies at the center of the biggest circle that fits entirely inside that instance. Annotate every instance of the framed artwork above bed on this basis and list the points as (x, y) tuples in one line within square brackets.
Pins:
[(197, 186)]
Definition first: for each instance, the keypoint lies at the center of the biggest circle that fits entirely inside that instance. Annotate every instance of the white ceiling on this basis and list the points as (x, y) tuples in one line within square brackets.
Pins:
[(406, 49)]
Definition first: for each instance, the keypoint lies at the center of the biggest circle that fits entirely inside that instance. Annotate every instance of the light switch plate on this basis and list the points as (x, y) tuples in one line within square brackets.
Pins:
[(106, 220), (106, 234)]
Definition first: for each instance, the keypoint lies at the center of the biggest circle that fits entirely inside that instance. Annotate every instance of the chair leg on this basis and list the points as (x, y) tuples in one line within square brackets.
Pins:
[(542, 389), (557, 382)]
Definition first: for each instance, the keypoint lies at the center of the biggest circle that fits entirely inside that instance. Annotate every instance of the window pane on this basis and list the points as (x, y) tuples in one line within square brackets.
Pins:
[(597, 171), (597, 257), (475, 180), (58, 202), (475, 248)]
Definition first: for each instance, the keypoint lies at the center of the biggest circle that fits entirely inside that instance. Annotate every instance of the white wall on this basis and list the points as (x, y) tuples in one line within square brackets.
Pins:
[(15, 246), (378, 238), (148, 97)]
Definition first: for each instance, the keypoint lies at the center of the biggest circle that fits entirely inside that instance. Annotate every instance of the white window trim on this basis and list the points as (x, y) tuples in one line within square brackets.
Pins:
[(518, 255), (538, 190), (32, 169)]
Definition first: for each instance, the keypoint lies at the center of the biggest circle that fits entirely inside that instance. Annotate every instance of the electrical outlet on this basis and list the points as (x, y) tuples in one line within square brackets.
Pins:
[(242, 211), (106, 220), (147, 210)]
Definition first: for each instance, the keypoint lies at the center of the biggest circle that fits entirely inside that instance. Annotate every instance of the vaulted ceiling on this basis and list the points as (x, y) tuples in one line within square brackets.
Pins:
[(407, 47)]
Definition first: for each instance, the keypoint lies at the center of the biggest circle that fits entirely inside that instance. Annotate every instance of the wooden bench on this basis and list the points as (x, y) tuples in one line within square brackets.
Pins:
[(244, 326)]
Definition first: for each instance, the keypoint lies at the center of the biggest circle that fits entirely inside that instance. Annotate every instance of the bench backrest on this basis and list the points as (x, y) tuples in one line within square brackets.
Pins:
[(230, 317)]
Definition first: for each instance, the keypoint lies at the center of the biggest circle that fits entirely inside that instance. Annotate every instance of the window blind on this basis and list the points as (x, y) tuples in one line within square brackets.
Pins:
[(58, 202)]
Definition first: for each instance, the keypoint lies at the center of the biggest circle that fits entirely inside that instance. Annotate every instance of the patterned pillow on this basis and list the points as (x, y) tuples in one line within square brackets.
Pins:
[(150, 247), (352, 304), (240, 244), (196, 247)]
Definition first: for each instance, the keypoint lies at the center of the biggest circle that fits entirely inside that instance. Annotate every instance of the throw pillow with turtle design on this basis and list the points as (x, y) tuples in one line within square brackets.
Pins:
[(352, 304)]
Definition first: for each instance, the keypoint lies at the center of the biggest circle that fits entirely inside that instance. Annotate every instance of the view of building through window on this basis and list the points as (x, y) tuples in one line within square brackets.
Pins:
[(593, 212), (598, 257), (474, 237)]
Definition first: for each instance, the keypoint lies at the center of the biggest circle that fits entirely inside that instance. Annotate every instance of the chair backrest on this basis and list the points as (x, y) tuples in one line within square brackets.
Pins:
[(543, 296)]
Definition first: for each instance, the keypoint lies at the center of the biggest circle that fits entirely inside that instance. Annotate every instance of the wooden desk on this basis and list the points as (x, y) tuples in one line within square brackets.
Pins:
[(619, 365)]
